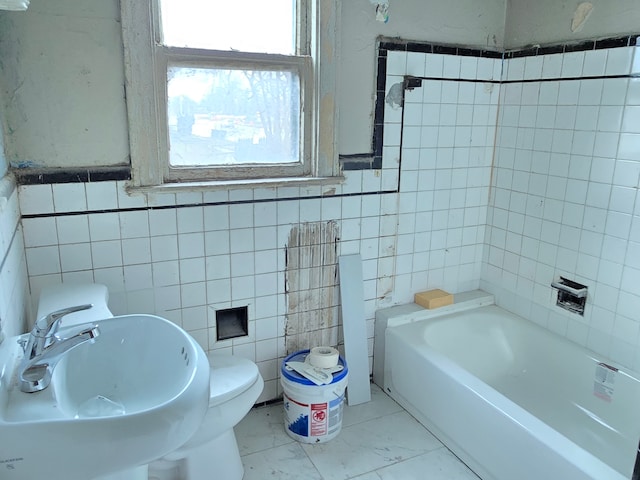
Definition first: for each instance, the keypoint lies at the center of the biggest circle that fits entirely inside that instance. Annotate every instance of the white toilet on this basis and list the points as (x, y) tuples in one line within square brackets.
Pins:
[(212, 452)]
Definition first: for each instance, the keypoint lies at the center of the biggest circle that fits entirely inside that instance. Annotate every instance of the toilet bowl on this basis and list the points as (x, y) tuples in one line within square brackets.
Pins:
[(212, 452), (235, 385)]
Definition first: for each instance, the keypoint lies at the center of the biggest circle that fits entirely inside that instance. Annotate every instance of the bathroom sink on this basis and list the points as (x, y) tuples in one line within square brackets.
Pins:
[(134, 394)]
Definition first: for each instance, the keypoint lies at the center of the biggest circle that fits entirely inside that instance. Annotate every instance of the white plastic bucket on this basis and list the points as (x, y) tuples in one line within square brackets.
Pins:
[(312, 413)]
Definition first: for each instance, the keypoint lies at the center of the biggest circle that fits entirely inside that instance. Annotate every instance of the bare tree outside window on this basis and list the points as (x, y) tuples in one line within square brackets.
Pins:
[(226, 117)]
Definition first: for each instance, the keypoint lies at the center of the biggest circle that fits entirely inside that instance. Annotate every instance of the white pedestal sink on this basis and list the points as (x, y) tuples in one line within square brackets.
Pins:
[(138, 392)]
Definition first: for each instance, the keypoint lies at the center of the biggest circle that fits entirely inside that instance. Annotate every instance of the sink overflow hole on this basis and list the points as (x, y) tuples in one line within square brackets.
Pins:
[(232, 323)]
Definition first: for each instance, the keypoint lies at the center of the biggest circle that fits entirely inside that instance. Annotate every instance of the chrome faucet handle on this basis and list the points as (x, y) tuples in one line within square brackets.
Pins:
[(36, 373), (48, 325), (42, 335)]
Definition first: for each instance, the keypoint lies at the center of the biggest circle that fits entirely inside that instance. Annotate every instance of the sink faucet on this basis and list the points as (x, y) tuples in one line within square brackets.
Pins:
[(44, 348)]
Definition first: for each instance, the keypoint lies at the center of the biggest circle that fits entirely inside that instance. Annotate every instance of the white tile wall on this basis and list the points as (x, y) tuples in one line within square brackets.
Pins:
[(579, 182), (447, 130), (171, 255)]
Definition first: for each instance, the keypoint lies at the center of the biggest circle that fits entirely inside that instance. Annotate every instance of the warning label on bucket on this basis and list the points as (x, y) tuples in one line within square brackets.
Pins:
[(313, 422), (312, 413), (318, 419)]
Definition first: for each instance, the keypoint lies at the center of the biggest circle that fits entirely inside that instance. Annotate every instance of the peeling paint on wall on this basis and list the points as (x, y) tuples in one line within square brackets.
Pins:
[(382, 10), (580, 16), (395, 95), (311, 286)]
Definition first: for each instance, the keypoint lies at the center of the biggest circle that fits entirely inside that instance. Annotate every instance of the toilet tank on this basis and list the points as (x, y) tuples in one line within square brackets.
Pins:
[(57, 297)]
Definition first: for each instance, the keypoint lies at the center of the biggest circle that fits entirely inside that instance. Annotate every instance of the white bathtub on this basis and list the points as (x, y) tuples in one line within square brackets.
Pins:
[(511, 399)]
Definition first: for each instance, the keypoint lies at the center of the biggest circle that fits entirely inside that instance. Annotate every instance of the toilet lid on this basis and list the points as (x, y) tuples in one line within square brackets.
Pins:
[(230, 376)]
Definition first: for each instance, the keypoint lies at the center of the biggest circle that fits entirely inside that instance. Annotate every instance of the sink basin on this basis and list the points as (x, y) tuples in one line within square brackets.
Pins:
[(138, 392)]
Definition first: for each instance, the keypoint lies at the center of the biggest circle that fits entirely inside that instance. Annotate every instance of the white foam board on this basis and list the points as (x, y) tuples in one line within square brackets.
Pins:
[(354, 329)]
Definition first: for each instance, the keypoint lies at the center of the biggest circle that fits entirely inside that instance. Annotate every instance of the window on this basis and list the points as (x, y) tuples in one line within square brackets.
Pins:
[(230, 90)]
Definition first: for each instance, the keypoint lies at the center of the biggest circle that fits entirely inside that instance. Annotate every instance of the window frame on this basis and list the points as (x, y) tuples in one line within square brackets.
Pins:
[(146, 64)]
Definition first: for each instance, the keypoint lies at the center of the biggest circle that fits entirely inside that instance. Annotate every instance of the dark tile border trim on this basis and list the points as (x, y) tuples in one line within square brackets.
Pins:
[(358, 161), (614, 42), (205, 204), (399, 45), (37, 176), (563, 79)]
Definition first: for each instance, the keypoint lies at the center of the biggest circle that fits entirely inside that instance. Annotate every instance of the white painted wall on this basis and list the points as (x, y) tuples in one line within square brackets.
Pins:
[(14, 286), (62, 68), (13, 269), (549, 21), (3, 159), (458, 22)]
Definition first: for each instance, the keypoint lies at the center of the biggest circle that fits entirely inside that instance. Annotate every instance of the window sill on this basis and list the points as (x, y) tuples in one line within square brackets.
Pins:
[(262, 183)]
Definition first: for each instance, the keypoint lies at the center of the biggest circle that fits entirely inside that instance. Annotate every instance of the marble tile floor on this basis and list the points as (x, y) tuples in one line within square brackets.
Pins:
[(379, 441)]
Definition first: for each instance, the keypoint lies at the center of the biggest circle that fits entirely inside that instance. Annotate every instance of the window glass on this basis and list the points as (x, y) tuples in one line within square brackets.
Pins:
[(232, 116), (243, 25)]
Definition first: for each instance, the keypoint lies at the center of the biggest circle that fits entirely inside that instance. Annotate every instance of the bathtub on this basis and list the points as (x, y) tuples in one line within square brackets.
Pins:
[(511, 399)]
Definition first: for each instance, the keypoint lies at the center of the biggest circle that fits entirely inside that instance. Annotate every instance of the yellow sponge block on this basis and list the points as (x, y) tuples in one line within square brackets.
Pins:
[(433, 298)]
